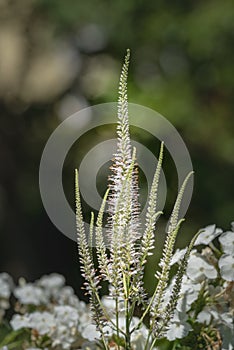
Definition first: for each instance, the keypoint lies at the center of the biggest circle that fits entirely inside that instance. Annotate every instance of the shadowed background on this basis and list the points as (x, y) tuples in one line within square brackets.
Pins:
[(57, 57)]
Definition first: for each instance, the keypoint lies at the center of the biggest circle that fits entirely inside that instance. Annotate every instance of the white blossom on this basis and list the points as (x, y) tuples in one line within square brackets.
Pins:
[(51, 283), (178, 328), (67, 315), (66, 296), (227, 242), (20, 321), (64, 336), (30, 294), (210, 232), (226, 265), (43, 322), (90, 332), (178, 255), (198, 269), (207, 314)]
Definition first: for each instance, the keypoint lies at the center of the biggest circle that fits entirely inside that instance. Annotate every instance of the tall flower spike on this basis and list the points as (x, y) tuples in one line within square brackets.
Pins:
[(120, 224), (169, 310), (175, 213), (102, 257), (151, 213), (123, 265), (147, 239), (86, 261), (122, 160), (124, 143), (163, 276)]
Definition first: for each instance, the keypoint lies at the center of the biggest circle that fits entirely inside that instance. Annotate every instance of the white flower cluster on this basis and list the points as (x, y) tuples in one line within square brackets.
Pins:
[(61, 325), (56, 319), (57, 312), (209, 282), (50, 310)]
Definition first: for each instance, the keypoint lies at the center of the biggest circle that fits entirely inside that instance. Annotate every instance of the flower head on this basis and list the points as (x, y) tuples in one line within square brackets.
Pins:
[(209, 233), (20, 321), (30, 294), (198, 269), (227, 242), (226, 265)]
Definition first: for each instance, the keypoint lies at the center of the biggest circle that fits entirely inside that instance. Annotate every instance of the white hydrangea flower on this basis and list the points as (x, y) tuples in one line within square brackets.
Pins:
[(44, 322), (67, 315), (227, 242), (210, 232), (226, 265), (178, 255), (178, 328), (30, 294), (90, 332), (51, 283), (67, 321), (66, 296), (198, 269), (206, 314), (20, 321), (64, 336)]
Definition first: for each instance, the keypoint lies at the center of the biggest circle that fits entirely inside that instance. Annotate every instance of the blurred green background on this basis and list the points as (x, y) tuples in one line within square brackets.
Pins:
[(57, 57)]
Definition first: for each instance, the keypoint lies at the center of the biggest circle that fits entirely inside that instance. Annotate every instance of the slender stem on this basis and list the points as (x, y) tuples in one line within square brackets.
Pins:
[(147, 341), (107, 316), (153, 343), (117, 318), (128, 335), (104, 342), (145, 312), (127, 313)]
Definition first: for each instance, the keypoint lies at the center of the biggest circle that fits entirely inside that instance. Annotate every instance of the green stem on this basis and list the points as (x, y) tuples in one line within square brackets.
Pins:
[(107, 316), (147, 341), (127, 337), (117, 318), (153, 343), (127, 314), (145, 312)]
